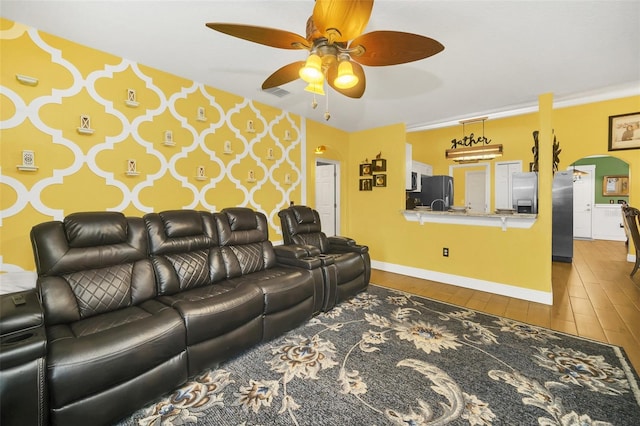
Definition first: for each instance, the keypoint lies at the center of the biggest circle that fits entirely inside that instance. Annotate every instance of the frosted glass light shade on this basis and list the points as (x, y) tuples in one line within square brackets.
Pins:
[(315, 88), (346, 79), (312, 70)]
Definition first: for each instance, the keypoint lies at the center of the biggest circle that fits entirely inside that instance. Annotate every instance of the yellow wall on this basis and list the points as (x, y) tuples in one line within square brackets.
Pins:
[(78, 172)]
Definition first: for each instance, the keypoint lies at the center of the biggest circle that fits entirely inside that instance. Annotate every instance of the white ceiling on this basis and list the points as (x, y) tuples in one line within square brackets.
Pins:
[(499, 55)]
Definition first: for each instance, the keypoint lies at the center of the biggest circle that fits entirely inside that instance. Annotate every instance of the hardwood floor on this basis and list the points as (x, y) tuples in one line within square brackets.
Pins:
[(593, 297)]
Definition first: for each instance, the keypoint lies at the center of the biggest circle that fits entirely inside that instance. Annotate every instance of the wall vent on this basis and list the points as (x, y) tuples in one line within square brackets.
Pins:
[(277, 91)]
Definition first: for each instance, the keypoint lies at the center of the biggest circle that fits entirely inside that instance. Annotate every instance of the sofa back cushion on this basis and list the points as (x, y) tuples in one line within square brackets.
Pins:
[(244, 239), (91, 263), (301, 225), (184, 250)]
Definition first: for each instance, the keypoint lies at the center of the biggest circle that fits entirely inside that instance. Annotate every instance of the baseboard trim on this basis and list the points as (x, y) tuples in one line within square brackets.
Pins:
[(466, 282)]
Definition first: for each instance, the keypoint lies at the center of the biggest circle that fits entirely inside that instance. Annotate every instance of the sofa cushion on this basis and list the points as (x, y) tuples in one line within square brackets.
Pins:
[(79, 282), (88, 356), (93, 229)]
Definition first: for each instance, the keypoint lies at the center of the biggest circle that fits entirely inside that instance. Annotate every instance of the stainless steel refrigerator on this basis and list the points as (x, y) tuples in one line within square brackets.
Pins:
[(562, 224), (525, 192), (437, 192)]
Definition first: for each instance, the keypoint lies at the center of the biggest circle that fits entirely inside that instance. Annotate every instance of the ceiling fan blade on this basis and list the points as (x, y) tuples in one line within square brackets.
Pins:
[(284, 75), (349, 18), (262, 35), (394, 47), (356, 91)]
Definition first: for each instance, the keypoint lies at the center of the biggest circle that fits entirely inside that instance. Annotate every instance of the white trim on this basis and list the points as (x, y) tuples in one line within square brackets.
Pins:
[(303, 161), (580, 99), (466, 282)]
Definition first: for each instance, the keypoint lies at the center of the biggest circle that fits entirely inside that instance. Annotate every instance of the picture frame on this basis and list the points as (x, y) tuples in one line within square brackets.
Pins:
[(366, 184), (379, 180), (624, 131), (365, 169), (617, 185), (379, 165)]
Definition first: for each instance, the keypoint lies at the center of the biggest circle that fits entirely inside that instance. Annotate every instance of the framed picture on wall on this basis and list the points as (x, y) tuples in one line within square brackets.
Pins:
[(624, 131), (380, 180), (379, 165), (366, 184), (365, 169), (615, 186)]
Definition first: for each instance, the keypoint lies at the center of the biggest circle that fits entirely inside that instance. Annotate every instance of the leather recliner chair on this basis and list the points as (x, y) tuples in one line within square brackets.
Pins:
[(111, 347), (301, 226)]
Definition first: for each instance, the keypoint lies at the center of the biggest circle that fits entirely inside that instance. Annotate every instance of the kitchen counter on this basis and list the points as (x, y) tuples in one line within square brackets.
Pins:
[(504, 221)]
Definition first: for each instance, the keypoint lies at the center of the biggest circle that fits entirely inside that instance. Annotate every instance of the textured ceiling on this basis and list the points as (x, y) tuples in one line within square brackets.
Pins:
[(499, 55)]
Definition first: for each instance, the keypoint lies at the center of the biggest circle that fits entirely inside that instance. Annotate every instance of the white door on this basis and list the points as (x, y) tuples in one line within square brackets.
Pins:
[(583, 198), (327, 196), (475, 191)]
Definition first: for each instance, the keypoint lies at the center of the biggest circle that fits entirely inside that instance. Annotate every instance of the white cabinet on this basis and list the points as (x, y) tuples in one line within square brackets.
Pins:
[(416, 167), (408, 166)]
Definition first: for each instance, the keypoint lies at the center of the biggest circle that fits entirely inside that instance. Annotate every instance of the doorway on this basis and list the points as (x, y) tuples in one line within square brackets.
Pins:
[(328, 195), (583, 201), (475, 191)]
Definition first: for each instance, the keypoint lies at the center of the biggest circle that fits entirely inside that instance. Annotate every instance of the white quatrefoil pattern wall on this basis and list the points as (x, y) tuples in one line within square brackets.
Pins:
[(83, 130)]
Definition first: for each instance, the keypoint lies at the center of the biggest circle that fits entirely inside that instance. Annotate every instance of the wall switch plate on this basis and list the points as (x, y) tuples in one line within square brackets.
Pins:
[(445, 251)]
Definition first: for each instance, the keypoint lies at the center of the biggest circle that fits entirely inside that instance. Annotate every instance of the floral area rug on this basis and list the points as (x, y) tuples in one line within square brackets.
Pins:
[(392, 358)]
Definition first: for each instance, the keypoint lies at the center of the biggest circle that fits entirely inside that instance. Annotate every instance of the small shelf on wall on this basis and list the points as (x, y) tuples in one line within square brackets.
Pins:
[(202, 116), (27, 168), (168, 138), (26, 80), (132, 168), (85, 125), (28, 161), (131, 100)]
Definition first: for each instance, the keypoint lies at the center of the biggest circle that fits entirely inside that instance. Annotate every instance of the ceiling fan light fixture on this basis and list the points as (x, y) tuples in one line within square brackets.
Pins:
[(315, 88), (346, 79), (312, 70)]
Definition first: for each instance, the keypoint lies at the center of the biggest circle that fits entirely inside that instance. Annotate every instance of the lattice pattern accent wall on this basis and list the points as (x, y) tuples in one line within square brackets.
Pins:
[(106, 133)]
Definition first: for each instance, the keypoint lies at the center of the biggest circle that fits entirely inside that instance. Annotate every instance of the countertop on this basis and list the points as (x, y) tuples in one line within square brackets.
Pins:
[(502, 220)]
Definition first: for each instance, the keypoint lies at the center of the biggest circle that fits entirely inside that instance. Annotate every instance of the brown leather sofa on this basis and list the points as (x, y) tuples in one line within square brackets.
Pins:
[(134, 306), (346, 265)]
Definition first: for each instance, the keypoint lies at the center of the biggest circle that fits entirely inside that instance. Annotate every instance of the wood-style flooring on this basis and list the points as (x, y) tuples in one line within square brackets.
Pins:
[(593, 297)]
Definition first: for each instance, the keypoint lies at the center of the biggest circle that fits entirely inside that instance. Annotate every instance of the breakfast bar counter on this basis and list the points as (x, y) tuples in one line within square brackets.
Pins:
[(500, 220)]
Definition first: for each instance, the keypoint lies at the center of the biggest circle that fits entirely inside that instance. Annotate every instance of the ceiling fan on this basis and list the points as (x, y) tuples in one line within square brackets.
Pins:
[(337, 48)]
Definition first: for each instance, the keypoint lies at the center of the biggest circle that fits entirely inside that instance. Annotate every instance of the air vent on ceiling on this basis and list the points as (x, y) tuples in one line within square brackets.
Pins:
[(277, 91)]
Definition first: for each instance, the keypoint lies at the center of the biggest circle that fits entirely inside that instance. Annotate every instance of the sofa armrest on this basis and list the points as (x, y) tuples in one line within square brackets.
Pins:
[(296, 255), (345, 244)]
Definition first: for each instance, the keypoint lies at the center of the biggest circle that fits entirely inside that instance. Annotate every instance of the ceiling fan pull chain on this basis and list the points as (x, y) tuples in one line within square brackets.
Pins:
[(327, 116)]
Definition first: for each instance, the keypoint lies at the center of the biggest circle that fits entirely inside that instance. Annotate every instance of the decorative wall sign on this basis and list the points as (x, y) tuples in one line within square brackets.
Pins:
[(624, 131), (132, 168), (168, 138), (131, 100), (202, 114), (201, 173), (85, 125), (28, 162)]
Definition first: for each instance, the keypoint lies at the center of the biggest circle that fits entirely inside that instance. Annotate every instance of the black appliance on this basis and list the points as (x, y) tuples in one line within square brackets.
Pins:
[(437, 192)]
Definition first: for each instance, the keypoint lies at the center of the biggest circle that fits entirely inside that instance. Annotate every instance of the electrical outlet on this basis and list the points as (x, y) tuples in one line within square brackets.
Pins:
[(445, 251)]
